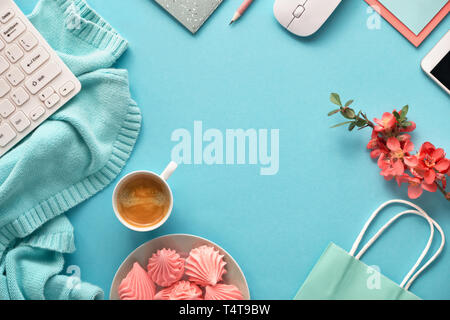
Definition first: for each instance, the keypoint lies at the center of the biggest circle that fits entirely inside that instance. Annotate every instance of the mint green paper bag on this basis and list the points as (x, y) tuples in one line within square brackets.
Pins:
[(339, 275)]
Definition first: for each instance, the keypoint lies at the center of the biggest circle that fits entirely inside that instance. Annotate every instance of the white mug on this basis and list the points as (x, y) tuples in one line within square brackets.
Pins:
[(162, 178)]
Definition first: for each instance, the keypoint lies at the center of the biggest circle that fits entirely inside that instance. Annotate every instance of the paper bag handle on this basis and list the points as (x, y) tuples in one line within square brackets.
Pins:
[(410, 277), (378, 234)]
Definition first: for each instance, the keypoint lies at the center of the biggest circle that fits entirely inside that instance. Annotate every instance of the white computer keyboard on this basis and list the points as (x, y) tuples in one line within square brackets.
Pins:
[(34, 82)]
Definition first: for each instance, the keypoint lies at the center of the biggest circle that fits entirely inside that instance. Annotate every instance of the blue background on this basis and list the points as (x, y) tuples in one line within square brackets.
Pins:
[(256, 75)]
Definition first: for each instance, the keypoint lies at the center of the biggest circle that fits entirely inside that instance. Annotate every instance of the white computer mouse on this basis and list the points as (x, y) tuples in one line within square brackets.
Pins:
[(304, 17)]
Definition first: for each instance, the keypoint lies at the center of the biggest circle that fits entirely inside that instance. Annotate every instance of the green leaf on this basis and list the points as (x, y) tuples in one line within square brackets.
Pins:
[(361, 122), (397, 115), (405, 110), (334, 98), (333, 112), (349, 113), (349, 103), (341, 124), (351, 126)]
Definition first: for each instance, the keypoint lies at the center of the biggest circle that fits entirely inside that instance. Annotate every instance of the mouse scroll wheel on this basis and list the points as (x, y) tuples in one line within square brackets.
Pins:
[(298, 11)]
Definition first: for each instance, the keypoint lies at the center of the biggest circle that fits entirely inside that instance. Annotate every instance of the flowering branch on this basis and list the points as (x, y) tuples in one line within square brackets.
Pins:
[(391, 144)]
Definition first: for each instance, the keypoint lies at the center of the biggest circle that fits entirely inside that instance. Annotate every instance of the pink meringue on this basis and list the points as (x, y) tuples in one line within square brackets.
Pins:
[(165, 267), (137, 285), (205, 266), (182, 290), (223, 292)]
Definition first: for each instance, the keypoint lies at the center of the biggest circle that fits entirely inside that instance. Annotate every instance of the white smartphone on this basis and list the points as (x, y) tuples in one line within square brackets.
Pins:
[(437, 63)]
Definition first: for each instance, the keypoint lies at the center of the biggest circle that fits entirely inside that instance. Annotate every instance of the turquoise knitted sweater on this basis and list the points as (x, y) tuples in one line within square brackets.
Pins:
[(68, 159)]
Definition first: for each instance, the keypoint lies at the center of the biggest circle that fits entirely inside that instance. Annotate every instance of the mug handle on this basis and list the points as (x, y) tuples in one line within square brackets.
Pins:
[(169, 170)]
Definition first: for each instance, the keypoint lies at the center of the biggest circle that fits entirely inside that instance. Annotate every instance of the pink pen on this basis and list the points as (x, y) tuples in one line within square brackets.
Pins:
[(240, 11)]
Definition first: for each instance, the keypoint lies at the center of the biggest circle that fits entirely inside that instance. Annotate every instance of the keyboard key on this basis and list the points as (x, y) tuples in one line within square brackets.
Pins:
[(4, 65), (20, 96), (7, 134), (20, 121), (2, 45), (12, 30), (46, 93), (4, 88), (15, 76), (28, 41), (66, 88), (6, 108), (37, 113), (43, 77), (52, 101), (14, 53), (6, 15), (34, 60)]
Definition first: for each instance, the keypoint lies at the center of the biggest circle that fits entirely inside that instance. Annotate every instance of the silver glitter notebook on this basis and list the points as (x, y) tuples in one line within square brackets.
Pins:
[(191, 13)]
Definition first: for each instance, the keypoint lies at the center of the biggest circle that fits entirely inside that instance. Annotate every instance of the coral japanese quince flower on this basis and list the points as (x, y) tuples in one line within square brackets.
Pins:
[(432, 163), (399, 152), (376, 144), (387, 122), (392, 164), (416, 186), (404, 137), (390, 167), (410, 128)]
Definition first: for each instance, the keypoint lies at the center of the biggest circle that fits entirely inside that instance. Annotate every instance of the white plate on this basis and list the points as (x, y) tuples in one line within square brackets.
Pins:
[(183, 244)]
